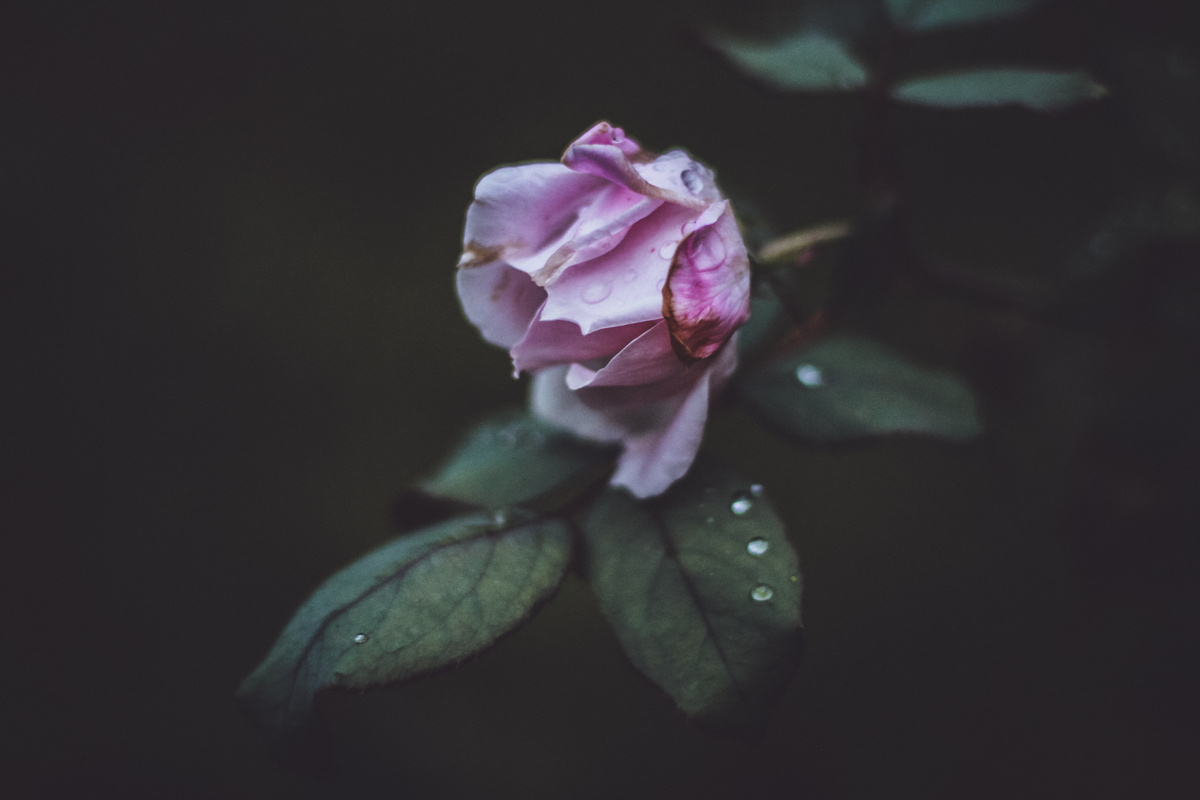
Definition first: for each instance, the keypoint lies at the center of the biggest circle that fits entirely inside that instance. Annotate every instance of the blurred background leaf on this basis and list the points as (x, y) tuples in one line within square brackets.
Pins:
[(1040, 90), (930, 14), (808, 61)]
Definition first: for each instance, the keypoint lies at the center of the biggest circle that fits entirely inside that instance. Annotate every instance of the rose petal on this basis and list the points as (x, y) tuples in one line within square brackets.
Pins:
[(550, 343), (647, 359), (551, 400), (707, 296), (523, 214), (676, 173), (592, 154), (601, 226), (652, 461), (624, 285), (499, 300)]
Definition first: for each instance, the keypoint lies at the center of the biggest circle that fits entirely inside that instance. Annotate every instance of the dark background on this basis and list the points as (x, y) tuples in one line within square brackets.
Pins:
[(229, 336)]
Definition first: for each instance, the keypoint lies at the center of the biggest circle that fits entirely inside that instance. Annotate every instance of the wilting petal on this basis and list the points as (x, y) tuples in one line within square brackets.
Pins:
[(500, 301), (707, 296), (648, 359), (548, 344), (624, 285), (522, 214)]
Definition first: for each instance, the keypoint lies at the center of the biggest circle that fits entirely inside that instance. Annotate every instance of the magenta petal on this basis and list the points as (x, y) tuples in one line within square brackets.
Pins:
[(707, 297), (500, 301), (548, 344), (522, 214), (605, 133)]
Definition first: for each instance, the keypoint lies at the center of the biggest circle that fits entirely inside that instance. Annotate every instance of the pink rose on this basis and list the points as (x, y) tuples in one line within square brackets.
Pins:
[(618, 279)]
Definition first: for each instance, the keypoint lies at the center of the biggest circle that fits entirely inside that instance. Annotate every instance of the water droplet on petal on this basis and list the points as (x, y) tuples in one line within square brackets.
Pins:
[(757, 547), (359, 638), (691, 180), (741, 503), (667, 251), (762, 593), (661, 283), (630, 275), (809, 375), (597, 292), (756, 489)]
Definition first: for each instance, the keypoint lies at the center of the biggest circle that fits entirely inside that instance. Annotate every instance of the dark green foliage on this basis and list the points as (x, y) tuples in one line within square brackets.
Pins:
[(515, 459), (848, 387), (809, 61), (710, 621), (426, 600), (1040, 90), (928, 14)]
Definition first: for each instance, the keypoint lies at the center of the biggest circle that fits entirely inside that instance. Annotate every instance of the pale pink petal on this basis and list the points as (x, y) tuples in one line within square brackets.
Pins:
[(605, 133), (601, 226), (626, 284), (551, 400), (547, 344), (522, 214), (708, 293), (595, 153), (499, 300), (647, 359), (676, 174), (650, 462)]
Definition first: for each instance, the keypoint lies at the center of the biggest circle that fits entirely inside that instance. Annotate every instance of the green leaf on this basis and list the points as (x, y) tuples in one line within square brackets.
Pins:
[(515, 459), (848, 387), (1040, 90), (928, 14), (809, 61), (426, 600), (703, 590)]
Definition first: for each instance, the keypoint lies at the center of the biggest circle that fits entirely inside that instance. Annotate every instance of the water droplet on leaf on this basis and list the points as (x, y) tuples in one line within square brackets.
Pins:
[(359, 638), (597, 292), (741, 503), (809, 375), (756, 489), (500, 517), (757, 547), (762, 593)]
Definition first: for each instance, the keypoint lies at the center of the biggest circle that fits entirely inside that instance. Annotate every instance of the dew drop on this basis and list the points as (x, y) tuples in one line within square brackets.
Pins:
[(710, 520), (692, 181), (756, 489), (597, 292), (809, 375), (757, 547), (762, 593), (359, 638), (630, 275), (500, 517), (661, 283), (741, 503), (667, 251)]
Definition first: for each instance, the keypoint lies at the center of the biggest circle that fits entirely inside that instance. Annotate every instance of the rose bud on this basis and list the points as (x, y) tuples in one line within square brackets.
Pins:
[(618, 278)]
